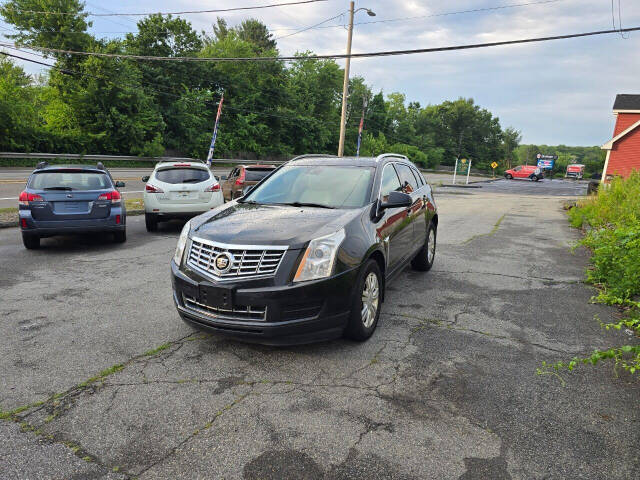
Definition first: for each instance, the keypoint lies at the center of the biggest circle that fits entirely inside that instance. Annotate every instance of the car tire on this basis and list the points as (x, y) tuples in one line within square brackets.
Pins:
[(120, 237), (534, 178), (423, 261), (31, 242), (508, 176), (369, 286), (151, 222)]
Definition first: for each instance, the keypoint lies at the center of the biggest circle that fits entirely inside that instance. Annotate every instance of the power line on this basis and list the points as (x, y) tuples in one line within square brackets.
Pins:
[(445, 14), (387, 53), (144, 14), (309, 28)]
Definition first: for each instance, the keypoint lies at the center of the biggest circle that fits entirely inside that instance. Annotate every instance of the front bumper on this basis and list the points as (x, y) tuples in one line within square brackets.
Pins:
[(293, 313)]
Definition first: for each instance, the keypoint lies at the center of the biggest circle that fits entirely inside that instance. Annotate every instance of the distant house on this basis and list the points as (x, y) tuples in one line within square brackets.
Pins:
[(623, 150)]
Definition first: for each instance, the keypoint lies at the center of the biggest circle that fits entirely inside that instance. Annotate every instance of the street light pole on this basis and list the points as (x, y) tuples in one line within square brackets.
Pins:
[(345, 84)]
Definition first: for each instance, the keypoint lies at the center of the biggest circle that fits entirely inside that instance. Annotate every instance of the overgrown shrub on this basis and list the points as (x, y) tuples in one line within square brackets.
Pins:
[(612, 224)]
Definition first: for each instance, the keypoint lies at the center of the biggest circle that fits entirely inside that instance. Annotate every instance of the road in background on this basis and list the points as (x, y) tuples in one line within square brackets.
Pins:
[(12, 181), (446, 388)]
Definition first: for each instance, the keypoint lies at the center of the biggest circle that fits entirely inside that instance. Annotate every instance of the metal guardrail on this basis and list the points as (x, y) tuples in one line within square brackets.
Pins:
[(92, 158), (102, 158)]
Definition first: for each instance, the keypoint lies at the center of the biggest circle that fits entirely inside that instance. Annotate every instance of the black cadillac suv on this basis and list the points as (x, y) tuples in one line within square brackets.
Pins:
[(306, 254)]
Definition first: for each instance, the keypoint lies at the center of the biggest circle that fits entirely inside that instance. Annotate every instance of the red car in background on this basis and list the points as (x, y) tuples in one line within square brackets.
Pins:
[(532, 172)]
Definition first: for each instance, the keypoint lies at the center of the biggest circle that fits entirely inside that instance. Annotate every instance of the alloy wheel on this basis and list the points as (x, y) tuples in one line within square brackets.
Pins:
[(370, 297), (431, 246)]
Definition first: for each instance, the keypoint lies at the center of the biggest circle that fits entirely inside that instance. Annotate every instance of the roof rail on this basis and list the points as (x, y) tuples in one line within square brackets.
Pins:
[(391, 155), (42, 165), (313, 155), (179, 160), (100, 166)]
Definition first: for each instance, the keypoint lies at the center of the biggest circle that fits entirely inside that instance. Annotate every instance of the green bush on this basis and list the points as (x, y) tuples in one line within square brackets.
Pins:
[(612, 221)]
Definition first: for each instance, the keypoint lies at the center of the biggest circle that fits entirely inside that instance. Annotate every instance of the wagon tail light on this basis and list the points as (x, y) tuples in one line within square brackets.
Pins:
[(151, 189), (240, 180), (213, 188), (25, 198), (113, 196)]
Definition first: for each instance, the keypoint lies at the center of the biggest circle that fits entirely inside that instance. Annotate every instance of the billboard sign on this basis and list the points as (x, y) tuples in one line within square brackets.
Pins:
[(546, 162)]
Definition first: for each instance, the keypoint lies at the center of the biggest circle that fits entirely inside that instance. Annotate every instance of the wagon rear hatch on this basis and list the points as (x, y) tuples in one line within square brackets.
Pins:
[(70, 194)]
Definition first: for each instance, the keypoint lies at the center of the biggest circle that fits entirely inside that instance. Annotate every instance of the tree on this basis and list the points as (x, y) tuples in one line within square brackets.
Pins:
[(65, 32), (511, 138), (256, 33)]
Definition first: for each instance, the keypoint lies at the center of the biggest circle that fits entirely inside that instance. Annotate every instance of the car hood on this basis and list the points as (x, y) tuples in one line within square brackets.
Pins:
[(247, 224)]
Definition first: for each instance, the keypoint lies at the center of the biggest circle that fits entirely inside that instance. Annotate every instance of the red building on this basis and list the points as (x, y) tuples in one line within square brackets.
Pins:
[(623, 150)]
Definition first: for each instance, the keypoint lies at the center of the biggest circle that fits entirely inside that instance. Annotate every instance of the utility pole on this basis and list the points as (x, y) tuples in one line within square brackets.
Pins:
[(345, 84)]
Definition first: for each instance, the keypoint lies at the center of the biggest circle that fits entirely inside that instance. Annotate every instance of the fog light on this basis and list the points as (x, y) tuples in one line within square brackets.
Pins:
[(23, 222)]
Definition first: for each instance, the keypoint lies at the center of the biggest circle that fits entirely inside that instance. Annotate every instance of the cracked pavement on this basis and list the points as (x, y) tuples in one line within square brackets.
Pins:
[(445, 389)]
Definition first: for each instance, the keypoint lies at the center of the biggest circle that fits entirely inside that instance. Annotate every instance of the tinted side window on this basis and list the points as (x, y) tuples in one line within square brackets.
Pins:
[(182, 175), (407, 179), (419, 177), (390, 182)]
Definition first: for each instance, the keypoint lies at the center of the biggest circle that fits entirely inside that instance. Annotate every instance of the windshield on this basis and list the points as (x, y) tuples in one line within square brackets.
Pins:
[(70, 180), (182, 175), (331, 186)]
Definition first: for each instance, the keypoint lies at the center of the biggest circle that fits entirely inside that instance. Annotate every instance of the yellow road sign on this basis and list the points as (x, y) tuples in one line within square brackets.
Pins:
[(494, 165)]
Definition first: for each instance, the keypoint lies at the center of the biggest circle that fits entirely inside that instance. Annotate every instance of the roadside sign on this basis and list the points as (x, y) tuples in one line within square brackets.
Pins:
[(494, 165), (546, 162)]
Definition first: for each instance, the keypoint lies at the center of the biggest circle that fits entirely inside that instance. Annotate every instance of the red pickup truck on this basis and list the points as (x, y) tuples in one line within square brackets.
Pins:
[(532, 172)]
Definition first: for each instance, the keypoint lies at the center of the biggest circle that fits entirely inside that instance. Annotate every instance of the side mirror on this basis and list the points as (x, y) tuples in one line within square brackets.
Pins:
[(120, 184), (397, 200), (217, 178), (223, 177), (145, 179)]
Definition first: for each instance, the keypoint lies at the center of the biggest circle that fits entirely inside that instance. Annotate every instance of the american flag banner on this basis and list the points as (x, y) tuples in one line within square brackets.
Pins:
[(215, 132), (364, 108)]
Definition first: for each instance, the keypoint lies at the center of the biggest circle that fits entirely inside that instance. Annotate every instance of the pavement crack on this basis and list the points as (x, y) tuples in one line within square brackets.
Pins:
[(547, 280)]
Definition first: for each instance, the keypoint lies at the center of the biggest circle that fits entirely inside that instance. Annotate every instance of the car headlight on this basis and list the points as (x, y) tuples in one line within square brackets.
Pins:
[(320, 257), (182, 242)]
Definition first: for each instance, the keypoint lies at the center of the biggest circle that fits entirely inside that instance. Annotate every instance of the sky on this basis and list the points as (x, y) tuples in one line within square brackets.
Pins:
[(558, 92)]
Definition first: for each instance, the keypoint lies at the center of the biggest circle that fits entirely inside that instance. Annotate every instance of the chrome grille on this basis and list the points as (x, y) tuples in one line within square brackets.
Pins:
[(249, 312), (248, 260)]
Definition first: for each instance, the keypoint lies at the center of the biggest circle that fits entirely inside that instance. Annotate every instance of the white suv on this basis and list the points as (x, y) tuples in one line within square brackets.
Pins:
[(179, 190)]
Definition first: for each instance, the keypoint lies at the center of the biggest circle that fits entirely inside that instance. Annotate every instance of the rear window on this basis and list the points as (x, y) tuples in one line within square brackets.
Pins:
[(256, 174), (70, 180), (182, 175)]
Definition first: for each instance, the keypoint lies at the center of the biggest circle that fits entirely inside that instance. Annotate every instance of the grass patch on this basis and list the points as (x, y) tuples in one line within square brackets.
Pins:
[(9, 210), (134, 204), (156, 350), (102, 375), (612, 224)]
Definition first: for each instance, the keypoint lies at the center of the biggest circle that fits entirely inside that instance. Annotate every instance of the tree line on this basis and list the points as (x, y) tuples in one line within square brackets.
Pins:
[(88, 104)]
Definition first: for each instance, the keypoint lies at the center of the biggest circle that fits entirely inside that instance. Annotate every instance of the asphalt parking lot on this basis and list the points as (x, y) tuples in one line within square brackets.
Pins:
[(108, 382)]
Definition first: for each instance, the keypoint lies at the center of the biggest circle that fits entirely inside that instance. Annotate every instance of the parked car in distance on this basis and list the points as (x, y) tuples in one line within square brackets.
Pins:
[(241, 178), (575, 171), (179, 190), (70, 199), (307, 254), (532, 172)]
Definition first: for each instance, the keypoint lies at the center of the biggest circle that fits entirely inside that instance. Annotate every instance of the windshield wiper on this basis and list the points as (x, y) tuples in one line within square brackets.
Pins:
[(249, 202), (307, 204), (57, 188)]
